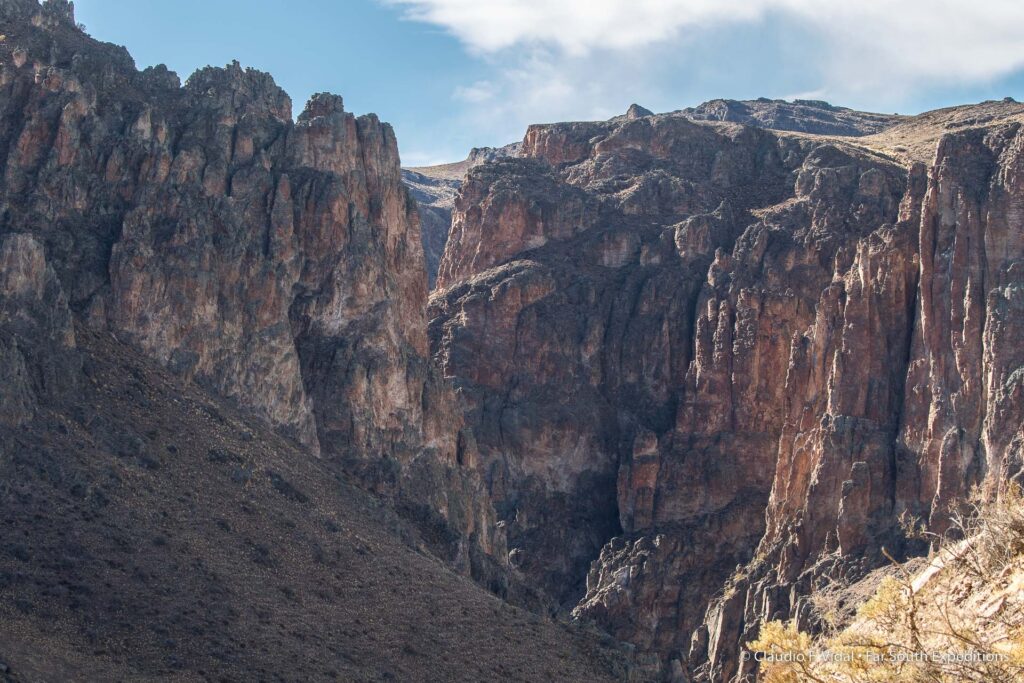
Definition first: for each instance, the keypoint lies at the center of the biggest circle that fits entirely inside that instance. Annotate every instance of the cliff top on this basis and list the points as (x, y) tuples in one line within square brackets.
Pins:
[(800, 116), (915, 138), (907, 138)]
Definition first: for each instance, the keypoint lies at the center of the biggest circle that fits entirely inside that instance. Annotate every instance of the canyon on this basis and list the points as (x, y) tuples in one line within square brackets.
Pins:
[(725, 360), (662, 376)]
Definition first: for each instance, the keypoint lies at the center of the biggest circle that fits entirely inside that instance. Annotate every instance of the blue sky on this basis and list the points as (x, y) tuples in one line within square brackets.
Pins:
[(454, 74)]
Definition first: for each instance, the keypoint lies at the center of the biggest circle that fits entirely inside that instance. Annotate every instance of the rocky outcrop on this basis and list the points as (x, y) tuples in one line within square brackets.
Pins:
[(38, 358), (755, 349), (275, 262), (802, 116), (635, 111), (435, 188)]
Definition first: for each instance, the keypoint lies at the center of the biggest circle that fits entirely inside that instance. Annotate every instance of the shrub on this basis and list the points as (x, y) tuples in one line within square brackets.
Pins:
[(960, 619)]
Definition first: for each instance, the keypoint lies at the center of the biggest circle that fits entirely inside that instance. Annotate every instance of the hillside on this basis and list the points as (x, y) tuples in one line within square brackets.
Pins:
[(956, 616), (153, 532)]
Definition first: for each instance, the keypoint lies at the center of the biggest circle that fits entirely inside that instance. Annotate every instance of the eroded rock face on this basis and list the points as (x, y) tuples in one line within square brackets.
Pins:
[(804, 116), (910, 382), (736, 341), (276, 262), (598, 365), (435, 189), (37, 338)]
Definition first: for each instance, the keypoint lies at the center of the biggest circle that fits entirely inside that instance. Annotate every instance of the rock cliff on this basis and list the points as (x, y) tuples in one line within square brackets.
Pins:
[(275, 262), (709, 364), (702, 361), (434, 188), (152, 531)]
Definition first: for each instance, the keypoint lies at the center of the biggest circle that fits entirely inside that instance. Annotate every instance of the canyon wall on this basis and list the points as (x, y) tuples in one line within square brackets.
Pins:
[(897, 391), (699, 366), (709, 365), (275, 262), (434, 188)]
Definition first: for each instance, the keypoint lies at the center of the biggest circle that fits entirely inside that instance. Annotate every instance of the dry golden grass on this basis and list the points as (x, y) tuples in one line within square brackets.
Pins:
[(961, 618)]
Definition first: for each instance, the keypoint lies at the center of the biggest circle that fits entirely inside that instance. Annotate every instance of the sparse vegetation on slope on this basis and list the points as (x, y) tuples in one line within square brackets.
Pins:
[(152, 532), (960, 618)]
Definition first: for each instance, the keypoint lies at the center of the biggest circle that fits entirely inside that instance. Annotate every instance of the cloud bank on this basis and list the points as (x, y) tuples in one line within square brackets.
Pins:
[(582, 52), (927, 38)]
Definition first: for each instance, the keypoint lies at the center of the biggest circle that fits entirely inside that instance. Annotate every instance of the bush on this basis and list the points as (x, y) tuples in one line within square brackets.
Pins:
[(960, 619)]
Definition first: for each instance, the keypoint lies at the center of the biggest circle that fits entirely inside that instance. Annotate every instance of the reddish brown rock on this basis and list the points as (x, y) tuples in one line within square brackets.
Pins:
[(435, 189), (769, 342), (278, 263), (576, 357)]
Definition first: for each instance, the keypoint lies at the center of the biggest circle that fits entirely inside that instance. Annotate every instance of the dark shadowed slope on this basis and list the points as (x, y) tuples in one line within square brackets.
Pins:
[(151, 533)]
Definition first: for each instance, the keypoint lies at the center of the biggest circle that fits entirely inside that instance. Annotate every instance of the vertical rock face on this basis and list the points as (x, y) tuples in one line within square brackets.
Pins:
[(620, 328), (962, 365), (435, 188), (37, 337), (915, 376), (276, 262), (756, 349)]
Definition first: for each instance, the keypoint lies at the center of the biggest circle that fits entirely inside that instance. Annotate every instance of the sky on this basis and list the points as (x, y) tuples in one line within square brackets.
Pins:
[(450, 75)]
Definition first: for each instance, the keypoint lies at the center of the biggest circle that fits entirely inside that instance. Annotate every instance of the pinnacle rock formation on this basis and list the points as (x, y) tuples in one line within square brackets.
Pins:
[(274, 262)]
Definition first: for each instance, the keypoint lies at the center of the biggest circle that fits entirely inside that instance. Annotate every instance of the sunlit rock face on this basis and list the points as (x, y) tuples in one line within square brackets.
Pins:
[(708, 364), (435, 189), (277, 262)]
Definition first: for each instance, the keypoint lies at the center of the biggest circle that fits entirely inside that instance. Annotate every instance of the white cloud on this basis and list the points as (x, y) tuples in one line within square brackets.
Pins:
[(870, 40), (573, 25), (481, 91), (550, 60)]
